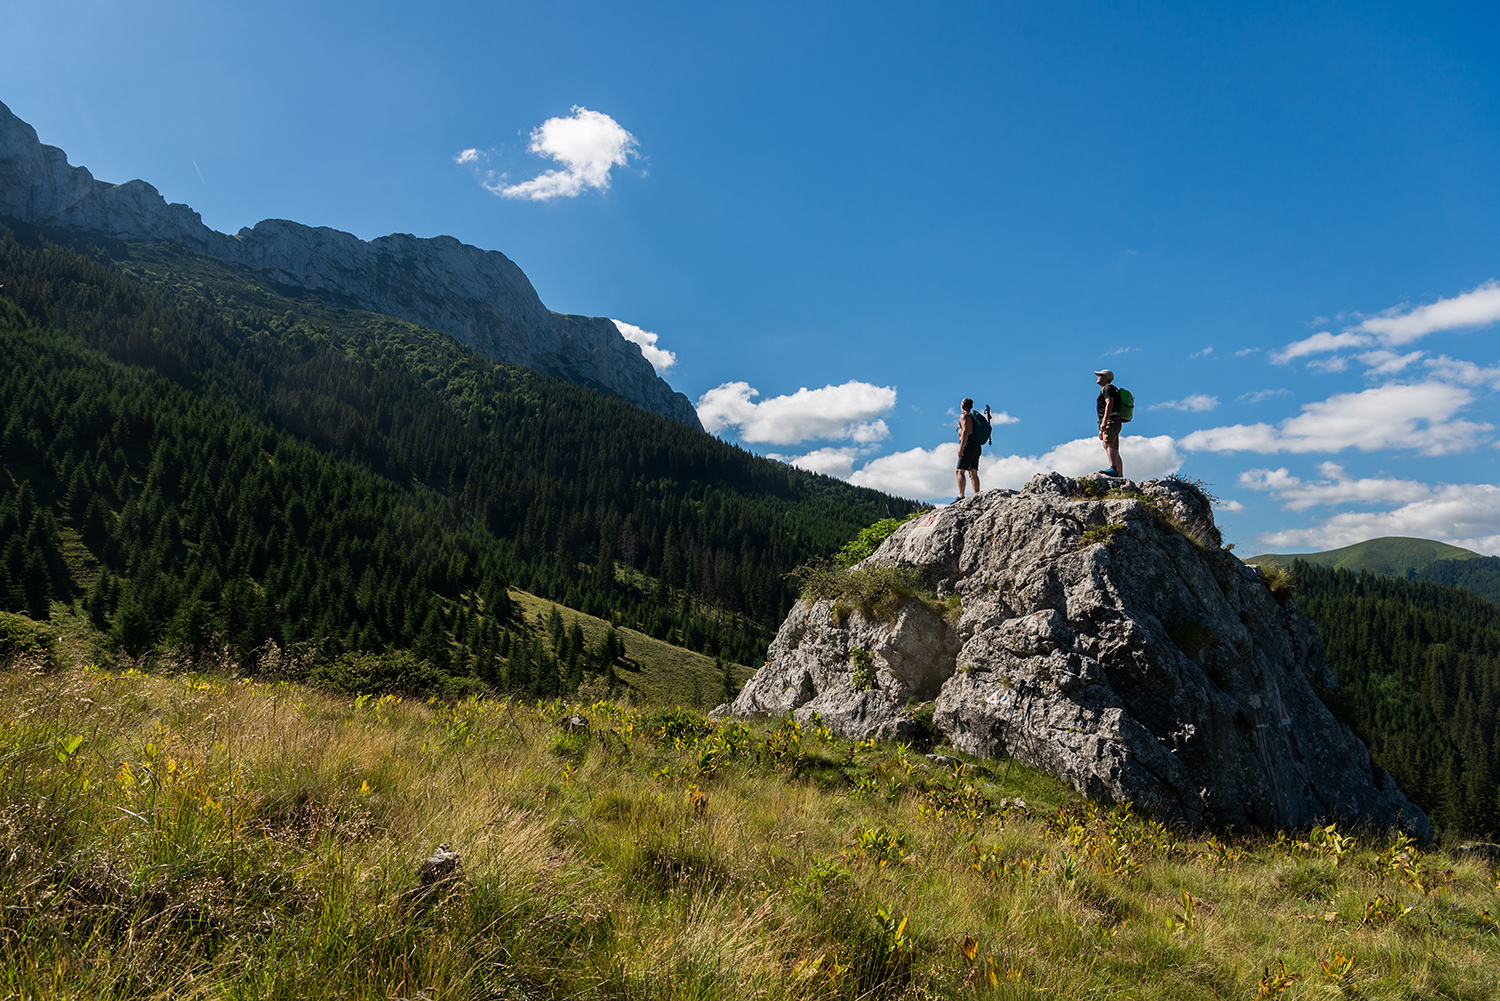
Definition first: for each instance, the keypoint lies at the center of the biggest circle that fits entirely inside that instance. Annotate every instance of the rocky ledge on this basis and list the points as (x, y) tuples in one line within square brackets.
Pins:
[(1104, 636)]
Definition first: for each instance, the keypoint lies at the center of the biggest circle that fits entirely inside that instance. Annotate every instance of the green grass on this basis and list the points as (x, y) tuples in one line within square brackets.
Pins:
[(200, 837), (657, 673)]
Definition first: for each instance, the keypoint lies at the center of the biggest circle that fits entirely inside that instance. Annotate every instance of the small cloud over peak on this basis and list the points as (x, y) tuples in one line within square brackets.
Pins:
[(587, 144), (660, 358)]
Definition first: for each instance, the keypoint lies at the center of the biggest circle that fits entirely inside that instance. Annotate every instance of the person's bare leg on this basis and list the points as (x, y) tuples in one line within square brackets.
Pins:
[(1115, 462), (974, 479), (960, 484)]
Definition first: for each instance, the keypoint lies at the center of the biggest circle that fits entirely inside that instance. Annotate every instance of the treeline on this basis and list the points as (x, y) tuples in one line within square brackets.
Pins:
[(316, 472), (1481, 576), (1420, 665)]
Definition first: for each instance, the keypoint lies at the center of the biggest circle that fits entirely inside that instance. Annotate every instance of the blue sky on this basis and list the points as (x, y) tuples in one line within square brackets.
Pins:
[(1278, 223)]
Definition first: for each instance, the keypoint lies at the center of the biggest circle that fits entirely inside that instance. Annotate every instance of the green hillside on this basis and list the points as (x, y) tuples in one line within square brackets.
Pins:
[(196, 458), (1392, 555)]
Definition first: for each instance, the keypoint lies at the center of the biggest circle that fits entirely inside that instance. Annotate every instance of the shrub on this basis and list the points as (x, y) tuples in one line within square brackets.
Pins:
[(1278, 580), (21, 638), (869, 540), (864, 668), (1102, 534)]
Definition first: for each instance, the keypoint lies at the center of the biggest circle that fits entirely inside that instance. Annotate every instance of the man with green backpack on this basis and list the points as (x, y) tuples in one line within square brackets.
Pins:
[(1115, 406)]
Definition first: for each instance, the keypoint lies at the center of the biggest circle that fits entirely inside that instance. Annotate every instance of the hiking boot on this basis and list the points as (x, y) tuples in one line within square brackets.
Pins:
[(1108, 472)]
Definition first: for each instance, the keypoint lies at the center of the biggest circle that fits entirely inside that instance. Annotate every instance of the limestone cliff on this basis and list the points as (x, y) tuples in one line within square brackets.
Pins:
[(480, 297), (1109, 640)]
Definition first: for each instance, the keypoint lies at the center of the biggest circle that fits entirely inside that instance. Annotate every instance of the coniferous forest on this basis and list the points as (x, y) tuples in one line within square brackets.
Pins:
[(195, 455), (1420, 667)]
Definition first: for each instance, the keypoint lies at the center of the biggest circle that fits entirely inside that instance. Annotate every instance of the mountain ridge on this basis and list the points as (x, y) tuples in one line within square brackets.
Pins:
[(1392, 554), (479, 297)]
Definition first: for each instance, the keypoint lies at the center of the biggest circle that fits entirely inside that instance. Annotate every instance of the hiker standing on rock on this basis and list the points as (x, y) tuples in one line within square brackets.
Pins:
[(1108, 406), (970, 444)]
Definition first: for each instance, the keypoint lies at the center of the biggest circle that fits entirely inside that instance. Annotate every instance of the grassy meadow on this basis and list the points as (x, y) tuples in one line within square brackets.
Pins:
[(200, 836)]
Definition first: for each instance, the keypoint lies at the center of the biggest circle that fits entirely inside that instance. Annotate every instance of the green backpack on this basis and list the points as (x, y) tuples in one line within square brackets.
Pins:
[(1127, 406)]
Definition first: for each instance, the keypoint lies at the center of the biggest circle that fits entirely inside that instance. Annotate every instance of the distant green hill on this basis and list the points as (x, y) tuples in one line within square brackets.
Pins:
[(1421, 560), (1393, 555)]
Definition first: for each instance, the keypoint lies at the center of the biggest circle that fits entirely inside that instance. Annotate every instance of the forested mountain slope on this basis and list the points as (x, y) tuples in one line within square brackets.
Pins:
[(1420, 668), (221, 456)]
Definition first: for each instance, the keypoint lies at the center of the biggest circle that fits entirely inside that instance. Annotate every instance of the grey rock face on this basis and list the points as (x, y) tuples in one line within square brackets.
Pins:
[(1137, 664), (479, 297)]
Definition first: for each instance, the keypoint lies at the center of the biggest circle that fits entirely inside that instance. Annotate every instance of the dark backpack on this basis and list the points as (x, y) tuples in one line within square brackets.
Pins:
[(981, 428)]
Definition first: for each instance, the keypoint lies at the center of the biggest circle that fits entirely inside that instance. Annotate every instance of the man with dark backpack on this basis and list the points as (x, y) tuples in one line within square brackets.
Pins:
[(973, 434)]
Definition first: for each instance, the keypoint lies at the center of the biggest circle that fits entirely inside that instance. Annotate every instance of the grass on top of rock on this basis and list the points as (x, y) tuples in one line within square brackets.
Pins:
[(198, 836), (874, 592)]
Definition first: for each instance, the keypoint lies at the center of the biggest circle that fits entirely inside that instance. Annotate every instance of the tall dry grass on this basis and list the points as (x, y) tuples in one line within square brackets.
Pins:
[(197, 836)]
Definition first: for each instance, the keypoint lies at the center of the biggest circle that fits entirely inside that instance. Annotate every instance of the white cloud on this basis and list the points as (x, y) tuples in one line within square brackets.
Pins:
[(1319, 343), (1386, 362), (1229, 505), (1462, 514), (1204, 353), (850, 411), (587, 144), (829, 461), (1464, 372), (1417, 417), (1478, 307), (1338, 363), (928, 474), (1336, 487), (660, 358), (1242, 352), (1262, 395), (1198, 403), (1119, 351), (468, 156)]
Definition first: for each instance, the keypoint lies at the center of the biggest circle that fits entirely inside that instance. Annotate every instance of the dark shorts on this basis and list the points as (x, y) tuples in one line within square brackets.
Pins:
[(969, 458)]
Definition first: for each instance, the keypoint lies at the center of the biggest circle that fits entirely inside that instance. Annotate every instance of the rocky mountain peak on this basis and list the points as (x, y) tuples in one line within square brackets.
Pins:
[(1105, 636), (478, 296)]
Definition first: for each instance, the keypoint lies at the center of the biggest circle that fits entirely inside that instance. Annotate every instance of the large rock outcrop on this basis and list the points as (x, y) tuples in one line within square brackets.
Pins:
[(478, 296), (1109, 640)]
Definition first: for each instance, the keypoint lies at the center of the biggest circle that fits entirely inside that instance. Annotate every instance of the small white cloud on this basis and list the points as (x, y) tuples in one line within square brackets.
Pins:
[(1119, 351), (851, 411), (1336, 487), (588, 144), (1242, 352), (1418, 417), (1338, 363), (928, 474), (1461, 514), (1229, 505), (828, 461), (468, 156), (660, 358), (1262, 395), (1204, 353), (1196, 403), (1465, 373), (1320, 343), (1387, 362)]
